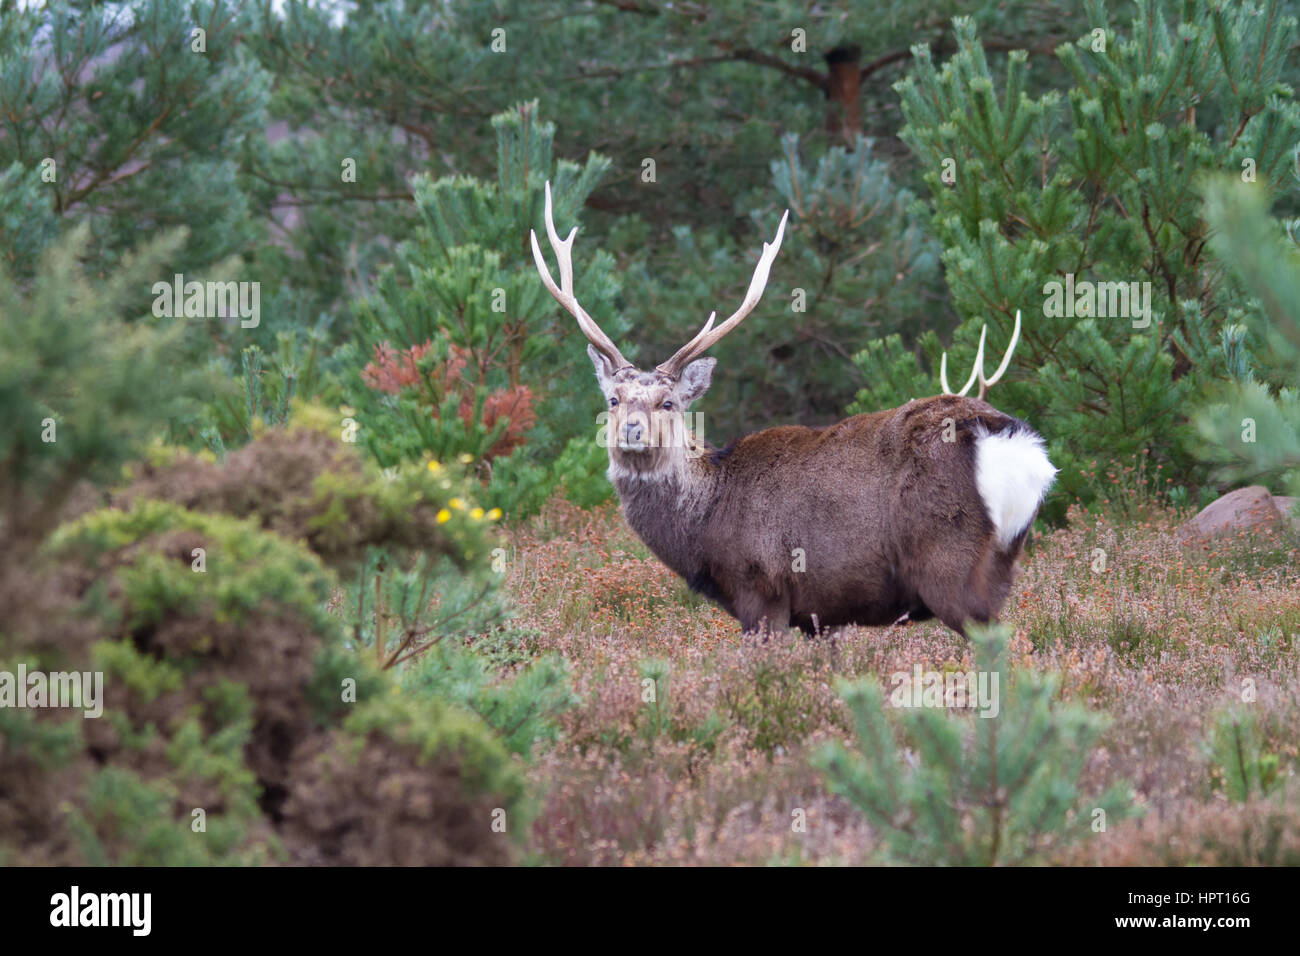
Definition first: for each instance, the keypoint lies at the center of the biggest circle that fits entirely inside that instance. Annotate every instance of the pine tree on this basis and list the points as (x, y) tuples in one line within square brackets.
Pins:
[(994, 788), (690, 104), (83, 387), (1086, 190), (466, 354), (1240, 761), (129, 117), (1252, 424)]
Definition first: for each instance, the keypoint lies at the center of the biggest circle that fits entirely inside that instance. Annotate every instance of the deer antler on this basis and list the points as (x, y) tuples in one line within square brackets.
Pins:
[(564, 293), (709, 335), (978, 371)]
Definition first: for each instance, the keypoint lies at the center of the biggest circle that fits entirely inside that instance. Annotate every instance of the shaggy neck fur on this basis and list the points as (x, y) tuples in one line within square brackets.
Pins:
[(667, 506)]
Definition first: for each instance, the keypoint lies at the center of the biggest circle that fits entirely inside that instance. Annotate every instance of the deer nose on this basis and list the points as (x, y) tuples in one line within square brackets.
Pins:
[(632, 433)]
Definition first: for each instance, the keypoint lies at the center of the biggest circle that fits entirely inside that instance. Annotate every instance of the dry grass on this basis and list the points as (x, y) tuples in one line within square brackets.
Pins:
[(715, 769)]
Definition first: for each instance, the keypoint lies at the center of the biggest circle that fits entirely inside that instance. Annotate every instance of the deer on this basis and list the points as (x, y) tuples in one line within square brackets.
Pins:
[(890, 517)]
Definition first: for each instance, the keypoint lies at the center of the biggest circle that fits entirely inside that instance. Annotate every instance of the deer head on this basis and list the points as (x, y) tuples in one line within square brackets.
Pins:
[(647, 432)]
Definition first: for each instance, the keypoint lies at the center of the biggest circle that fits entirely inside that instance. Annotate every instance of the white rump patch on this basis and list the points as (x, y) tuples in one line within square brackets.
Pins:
[(1012, 474)]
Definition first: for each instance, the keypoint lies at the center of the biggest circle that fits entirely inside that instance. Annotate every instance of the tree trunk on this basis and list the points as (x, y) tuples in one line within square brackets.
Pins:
[(844, 92)]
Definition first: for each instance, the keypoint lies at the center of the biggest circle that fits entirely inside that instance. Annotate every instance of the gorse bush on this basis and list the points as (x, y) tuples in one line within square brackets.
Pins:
[(241, 721), (973, 790), (410, 543), (229, 688), (297, 551), (307, 482)]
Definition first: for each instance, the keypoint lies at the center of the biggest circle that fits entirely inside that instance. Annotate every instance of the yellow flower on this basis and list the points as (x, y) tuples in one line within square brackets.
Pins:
[(476, 514), (444, 516), (494, 514), (465, 458), (434, 466), (457, 504)]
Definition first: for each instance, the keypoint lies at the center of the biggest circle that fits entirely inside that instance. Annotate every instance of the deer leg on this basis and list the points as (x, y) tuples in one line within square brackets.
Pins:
[(917, 613), (969, 588), (958, 608), (763, 615)]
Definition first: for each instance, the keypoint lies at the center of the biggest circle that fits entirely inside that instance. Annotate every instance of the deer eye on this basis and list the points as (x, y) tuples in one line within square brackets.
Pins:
[(667, 406), (613, 402)]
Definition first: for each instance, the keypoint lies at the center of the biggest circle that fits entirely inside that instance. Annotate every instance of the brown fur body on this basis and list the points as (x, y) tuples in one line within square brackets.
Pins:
[(886, 512)]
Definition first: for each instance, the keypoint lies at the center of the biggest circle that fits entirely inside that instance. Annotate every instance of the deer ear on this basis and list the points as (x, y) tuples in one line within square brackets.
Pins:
[(695, 379), (604, 374)]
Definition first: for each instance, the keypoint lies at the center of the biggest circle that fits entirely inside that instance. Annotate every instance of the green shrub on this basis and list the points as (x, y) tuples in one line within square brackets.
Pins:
[(1251, 425), (229, 684), (1241, 764), (462, 352), (523, 709), (972, 790), (405, 781), (80, 397)]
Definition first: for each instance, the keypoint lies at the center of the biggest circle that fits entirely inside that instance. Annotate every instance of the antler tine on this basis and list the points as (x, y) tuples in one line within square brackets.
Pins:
[(708, 336), (564, 292), (1006, 360), (977, 373), (979, 362)]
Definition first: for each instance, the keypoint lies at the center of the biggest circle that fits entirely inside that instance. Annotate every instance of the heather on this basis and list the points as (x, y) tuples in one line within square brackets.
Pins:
[(1161, 643)]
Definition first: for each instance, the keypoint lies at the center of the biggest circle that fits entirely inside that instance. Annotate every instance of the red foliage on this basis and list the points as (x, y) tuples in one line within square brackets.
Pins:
[(517, 403), (392, 371)]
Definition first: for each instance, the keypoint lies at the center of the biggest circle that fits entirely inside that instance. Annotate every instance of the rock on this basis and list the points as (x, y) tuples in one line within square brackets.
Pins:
[(1246, 509), (1286, 507)]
